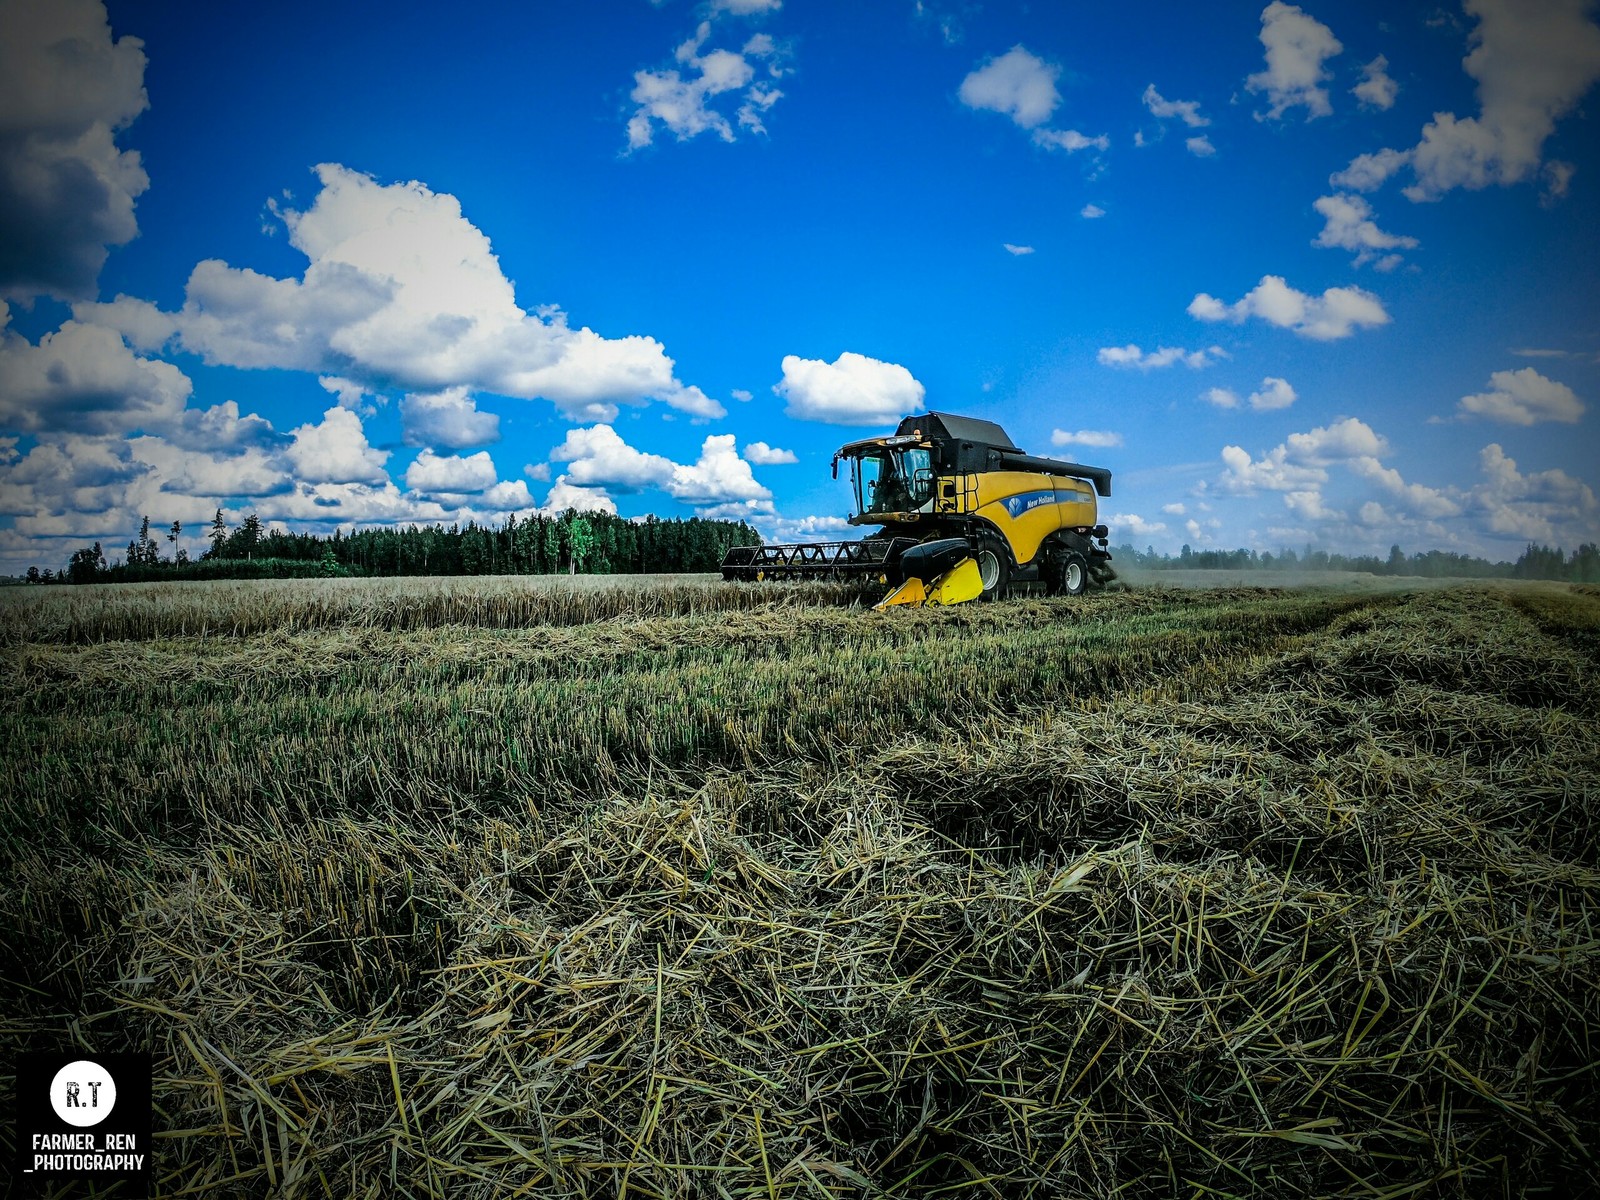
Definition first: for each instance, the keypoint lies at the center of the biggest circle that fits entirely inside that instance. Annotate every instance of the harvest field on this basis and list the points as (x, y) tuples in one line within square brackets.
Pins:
[(466, 887)]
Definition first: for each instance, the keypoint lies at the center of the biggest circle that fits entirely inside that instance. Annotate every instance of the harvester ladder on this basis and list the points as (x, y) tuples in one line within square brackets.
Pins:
[(957, 494)]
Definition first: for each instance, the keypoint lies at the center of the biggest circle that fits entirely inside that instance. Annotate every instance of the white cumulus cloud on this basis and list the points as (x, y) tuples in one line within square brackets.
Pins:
[(1337, 313), (1349, 226), (1418, 498), (807, 529), (852, 390), (1523, 397), (1300, 467), (1533, 60), (1309, 505), (1200, 147), (1297, 47), (336, 450), (564, 495), (1274, 471), (449, 418), (401, 292), (1069, 140), (1376, 89), (1274, 393), (66, 191), (1300, 462), (1018, 84), (85, 379), (219, 429), (1544, 506), (1022, 86), (348, 393), (1344, 439), (1085, 437), (1187, 111), (718, 483), (70, 483), (1133, 525), (1165, 356), (599, 457), (1367, 172), (1017, 250), (450, 473), (680, 99), (763, 455), (1090, 212)]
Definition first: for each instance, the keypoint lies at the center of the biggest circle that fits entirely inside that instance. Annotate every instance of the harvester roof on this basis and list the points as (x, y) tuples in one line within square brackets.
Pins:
[(937, 426)]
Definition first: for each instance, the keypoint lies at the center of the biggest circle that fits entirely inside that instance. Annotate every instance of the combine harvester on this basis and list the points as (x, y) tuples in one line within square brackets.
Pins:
[(963, 514)]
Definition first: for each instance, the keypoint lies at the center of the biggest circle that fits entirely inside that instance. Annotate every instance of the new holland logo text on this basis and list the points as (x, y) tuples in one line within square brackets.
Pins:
[(1017, 505)]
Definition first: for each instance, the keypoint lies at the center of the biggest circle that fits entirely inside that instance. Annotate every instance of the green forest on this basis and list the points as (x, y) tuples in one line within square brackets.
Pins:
[(1535, 562), (577, 543)]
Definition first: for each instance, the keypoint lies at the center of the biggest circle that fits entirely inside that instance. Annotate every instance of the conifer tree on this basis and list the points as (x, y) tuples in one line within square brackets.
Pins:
[(219, 534)]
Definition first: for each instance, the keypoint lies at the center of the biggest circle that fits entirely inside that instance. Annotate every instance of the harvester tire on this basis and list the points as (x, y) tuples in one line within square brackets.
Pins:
[(1072, 574), (994, 566)]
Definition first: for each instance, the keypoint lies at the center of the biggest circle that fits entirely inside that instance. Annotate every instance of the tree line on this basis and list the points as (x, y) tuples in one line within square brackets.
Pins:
[(573, 542), (601, 544), (1535, 562)]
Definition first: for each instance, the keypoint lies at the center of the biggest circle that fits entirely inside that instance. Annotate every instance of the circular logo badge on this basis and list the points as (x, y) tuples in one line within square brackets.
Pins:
[(83, 1093)]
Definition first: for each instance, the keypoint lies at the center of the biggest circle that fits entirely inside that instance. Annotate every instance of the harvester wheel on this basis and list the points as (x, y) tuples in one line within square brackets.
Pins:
[(994, 566), (1072, 574)]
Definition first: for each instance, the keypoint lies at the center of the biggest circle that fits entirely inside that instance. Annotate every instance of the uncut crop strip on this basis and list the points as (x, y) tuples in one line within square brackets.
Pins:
[(1307, 913), (234, 609)]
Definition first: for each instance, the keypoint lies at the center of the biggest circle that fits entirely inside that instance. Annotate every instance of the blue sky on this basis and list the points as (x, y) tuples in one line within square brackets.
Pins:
[(1306, 274)]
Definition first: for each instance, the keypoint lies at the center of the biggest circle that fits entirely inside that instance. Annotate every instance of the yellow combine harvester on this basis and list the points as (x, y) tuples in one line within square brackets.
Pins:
[(962, 514)]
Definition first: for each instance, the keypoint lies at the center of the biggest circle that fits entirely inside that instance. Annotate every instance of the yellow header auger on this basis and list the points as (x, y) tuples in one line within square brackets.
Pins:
[(962, 513)]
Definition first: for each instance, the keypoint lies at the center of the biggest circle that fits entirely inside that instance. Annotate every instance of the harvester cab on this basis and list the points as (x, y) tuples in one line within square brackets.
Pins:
[(961, 513)]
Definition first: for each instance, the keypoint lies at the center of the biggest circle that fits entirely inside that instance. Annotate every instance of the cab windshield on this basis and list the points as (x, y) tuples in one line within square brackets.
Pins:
[(891, 481)]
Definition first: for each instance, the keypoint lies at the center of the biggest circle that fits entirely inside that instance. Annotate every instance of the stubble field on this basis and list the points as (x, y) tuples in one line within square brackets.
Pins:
[(465, 888)]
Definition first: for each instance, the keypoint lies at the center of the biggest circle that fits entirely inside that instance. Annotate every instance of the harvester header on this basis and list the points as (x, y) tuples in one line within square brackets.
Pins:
[(961, 512)]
